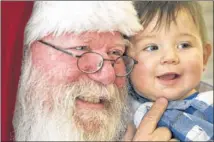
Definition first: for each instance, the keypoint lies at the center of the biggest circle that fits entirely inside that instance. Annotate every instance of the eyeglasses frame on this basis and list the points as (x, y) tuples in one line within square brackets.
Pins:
[(79, 56)]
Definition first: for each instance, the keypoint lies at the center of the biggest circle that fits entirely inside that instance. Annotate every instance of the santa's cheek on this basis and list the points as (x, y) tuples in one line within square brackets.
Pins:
[(120, 82), (58, 72)]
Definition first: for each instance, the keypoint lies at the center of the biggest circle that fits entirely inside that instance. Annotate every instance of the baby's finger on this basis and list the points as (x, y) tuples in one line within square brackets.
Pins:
[(149, 122), (161, 134)]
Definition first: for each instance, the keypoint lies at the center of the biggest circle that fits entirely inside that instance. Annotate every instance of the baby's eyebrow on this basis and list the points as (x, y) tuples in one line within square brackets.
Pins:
[(148, 36), (187, 35), (140, 37)]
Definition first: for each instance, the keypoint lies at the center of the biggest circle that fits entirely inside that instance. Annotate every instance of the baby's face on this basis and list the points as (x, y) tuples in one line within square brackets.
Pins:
[(171, 60)]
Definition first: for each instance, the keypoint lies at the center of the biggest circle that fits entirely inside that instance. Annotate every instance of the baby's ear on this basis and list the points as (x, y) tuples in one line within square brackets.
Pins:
[(207, 50)]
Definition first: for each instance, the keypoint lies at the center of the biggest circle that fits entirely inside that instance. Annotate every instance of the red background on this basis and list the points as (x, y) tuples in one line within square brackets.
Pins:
[(14, 16)]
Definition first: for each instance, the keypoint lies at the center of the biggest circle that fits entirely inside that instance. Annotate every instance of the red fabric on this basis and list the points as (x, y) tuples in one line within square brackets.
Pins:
[(14, 18)]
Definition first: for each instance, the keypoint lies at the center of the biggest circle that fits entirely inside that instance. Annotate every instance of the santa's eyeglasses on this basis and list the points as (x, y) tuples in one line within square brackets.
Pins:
[(91, 62)]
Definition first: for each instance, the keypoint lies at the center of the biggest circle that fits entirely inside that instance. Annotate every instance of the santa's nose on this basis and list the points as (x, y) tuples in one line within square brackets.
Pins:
[(105, 73)]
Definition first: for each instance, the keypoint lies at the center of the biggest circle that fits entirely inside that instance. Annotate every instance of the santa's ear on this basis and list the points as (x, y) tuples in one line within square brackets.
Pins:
[(207, 50)]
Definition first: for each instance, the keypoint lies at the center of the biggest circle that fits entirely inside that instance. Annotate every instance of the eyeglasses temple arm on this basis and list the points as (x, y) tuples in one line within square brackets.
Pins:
[(59, 49)]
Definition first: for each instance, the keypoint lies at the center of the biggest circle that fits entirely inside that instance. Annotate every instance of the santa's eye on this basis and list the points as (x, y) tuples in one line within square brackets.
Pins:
[(82, 48)]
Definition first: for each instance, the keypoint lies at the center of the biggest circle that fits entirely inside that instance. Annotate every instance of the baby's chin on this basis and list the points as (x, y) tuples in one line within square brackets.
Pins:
[(169, 97), (169, 94)]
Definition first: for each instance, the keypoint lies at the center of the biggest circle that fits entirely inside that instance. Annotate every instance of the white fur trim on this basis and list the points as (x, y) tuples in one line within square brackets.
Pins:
[(58, 17)]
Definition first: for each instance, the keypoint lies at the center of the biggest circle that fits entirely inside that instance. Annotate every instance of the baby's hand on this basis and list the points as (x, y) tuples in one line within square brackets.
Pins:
[(147, 130)]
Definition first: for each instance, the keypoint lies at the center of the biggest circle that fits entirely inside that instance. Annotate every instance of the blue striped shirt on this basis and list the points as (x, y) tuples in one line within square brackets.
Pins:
[(190, 119)]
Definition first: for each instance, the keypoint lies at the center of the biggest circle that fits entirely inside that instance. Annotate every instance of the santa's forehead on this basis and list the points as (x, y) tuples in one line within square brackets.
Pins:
[(87, 37)]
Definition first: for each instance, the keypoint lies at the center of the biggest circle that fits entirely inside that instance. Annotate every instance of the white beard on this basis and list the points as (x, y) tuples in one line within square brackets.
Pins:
[(46, 112)]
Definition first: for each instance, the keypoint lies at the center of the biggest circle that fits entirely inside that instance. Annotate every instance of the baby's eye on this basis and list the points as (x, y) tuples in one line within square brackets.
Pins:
[(116, 52), (184, 45), (151, 48)]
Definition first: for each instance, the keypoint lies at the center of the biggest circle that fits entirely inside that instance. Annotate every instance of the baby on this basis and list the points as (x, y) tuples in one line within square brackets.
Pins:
[(172, 52)]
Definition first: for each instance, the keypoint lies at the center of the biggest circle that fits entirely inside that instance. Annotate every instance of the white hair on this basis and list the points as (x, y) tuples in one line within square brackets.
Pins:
[(58, 17)]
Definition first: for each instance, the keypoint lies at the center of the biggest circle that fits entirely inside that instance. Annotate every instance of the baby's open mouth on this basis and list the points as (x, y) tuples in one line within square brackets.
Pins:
[(168, 76)]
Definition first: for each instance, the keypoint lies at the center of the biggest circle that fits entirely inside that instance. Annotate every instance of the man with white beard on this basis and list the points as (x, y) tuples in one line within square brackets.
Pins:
[(72, 85)]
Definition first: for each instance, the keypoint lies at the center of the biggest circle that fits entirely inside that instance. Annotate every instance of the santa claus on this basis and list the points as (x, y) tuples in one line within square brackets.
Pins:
[(72, 85)]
